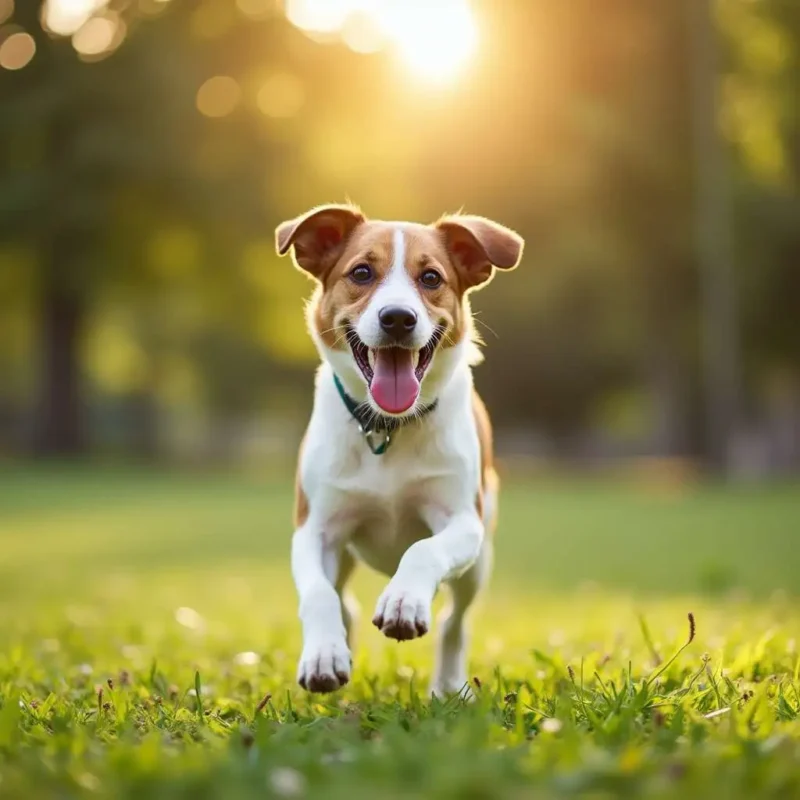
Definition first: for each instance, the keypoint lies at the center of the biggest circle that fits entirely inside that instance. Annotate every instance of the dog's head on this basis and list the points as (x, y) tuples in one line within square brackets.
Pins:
[(391, 308)]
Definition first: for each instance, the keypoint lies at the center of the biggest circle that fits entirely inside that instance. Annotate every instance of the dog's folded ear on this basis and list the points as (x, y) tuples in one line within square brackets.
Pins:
[(478, 245), (317, 236)]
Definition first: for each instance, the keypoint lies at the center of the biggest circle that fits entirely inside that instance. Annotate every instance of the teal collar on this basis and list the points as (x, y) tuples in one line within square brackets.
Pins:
[(377, 430)]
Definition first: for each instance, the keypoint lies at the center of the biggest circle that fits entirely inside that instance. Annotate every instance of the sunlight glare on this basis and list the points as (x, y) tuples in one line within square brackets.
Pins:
[(318, 16), (65, 17), (435, 40), (362, 33)]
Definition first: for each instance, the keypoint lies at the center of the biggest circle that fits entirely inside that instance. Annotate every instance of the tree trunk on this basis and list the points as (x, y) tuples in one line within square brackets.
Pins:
[(64, 251), (669, 408), (59, 429), (714, 237)]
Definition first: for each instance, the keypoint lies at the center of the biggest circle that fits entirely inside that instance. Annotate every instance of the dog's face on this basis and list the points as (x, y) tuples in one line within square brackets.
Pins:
[(391, 305)]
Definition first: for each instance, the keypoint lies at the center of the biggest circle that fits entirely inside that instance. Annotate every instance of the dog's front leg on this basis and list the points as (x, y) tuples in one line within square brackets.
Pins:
[(325, 662), (404, 608)]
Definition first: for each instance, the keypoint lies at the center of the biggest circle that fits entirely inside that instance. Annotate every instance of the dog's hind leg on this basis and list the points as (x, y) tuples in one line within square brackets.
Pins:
[(450, 671)]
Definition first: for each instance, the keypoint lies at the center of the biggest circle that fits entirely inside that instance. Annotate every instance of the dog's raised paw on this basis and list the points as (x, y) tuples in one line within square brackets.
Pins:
[(402, 613), (324, 666)]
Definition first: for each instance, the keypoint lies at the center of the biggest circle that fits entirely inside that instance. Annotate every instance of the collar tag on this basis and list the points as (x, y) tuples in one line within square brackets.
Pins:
[(378, 448)]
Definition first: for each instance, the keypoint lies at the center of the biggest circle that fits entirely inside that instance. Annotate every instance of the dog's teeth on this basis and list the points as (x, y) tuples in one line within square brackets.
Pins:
[(371, 358), (415, 358)]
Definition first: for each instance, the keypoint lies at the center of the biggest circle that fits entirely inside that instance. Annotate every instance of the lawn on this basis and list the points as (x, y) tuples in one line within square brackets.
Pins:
[(148, 642)]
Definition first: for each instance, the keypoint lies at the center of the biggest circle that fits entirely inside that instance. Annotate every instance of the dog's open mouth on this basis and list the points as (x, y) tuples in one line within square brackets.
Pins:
[(393, 374)]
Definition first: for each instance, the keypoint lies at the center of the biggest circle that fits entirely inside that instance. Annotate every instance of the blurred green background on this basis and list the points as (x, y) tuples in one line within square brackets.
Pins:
[(648, 150)]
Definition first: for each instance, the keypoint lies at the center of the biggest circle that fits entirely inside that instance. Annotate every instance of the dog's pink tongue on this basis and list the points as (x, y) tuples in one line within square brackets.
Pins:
[(394, 385)]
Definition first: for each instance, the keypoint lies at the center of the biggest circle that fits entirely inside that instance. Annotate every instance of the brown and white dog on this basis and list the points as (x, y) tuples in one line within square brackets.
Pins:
[(396, 464)]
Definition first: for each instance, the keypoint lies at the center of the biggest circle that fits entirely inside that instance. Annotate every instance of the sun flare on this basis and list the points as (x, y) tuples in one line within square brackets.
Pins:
[(435, 40)]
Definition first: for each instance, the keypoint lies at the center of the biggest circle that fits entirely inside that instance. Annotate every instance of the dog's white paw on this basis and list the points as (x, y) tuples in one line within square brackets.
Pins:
[(403, 612), (324, 665)]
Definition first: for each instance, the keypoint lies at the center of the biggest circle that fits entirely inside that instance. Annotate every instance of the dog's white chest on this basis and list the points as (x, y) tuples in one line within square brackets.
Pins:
[(383, 496), (387, 523)]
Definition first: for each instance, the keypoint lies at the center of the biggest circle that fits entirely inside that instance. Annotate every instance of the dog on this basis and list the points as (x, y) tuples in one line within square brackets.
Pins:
[(395, 468)]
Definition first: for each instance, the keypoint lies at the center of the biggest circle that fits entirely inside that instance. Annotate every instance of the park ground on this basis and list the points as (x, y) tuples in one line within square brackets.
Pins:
[(148, 640)]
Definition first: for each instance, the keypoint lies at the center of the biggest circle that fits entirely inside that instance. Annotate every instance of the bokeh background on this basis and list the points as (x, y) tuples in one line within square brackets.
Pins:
[(648, 150), (155, 373)]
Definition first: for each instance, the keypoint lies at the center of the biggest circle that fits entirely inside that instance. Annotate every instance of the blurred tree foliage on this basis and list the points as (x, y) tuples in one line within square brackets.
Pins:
[(136, 261)]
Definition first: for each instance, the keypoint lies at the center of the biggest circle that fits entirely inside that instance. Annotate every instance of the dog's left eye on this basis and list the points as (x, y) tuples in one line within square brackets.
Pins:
[(361, 273), (430, 279)]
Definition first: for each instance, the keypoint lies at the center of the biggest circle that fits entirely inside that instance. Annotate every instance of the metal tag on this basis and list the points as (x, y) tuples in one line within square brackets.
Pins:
[(378, 446)]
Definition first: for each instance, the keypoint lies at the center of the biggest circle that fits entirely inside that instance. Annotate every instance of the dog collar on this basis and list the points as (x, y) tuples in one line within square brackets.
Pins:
[(372, 425)]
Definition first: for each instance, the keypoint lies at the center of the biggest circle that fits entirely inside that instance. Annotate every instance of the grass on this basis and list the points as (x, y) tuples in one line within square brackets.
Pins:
[(148, 643)]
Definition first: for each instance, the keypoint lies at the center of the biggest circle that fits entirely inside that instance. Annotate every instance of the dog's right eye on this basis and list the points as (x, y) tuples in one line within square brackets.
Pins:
[(361, 273)]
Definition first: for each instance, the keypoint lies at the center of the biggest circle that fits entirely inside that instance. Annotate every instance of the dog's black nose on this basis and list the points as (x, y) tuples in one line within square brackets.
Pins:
[(397, 321)]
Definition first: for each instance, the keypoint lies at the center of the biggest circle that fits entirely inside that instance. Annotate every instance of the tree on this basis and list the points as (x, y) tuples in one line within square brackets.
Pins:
[(116, 137)]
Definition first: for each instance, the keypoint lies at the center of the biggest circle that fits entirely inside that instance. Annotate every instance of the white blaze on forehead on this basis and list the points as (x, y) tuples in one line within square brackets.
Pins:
[(397, 287), (397, 279), (399, 242)]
